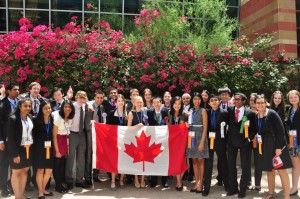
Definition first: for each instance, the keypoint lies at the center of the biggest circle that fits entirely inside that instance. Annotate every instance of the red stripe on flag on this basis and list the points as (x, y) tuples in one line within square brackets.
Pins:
[(106, 147), (177, 146)]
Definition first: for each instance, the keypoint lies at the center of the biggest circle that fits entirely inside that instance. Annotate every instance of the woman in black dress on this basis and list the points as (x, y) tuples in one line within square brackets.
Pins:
[(136, 117), (271, 136), (19, 142), (43, 156), (293, 125), (117, 117), (277, 104), (175, 117)]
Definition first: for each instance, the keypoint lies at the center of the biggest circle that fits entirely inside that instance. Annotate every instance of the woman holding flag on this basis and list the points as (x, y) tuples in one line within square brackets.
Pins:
[(137, 117), (197, 140), (273, 152), (117, 117)]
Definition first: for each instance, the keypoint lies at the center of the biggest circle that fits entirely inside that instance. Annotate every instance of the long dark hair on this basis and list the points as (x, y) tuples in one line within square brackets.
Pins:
[(174, 99), (197, 94), (17, 111), (281, 106), (40, 115), (123, 98), (61, 111)]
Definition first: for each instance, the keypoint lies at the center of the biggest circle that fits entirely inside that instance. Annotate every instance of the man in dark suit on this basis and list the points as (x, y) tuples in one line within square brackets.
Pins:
[(36, 98), (156, 117), (129, 103), (7, 106), (58, 96), (217, 120), (96, 115), (110, 103), (237, 141)]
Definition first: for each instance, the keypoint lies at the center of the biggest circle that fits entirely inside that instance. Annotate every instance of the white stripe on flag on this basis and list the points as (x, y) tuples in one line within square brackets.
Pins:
[(94, 145)]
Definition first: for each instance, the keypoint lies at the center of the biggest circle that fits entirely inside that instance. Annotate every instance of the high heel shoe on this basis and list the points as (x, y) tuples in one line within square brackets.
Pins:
[(113, 186), (293, 194), (137, 184), (179, 188)]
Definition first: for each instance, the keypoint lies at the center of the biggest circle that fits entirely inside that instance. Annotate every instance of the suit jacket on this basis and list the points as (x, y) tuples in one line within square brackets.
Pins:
[(89, 115), (221, 116), (5, 112), (129, 106), (152, 119), (41, 99), (14, 137), (108, 106), (235, 138)]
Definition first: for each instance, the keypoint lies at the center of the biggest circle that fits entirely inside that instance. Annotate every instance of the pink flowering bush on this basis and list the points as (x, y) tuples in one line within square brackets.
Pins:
[(95, 57)]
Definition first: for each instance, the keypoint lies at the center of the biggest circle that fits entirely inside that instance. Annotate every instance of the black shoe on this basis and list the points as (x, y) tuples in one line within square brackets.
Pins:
[(293, 194), (219, 183), (70, 186), (82, 185), (49, 194), (165, 185), (242, 195), (61, 189), (199, 191), (5, 193), (205, 192), (96, 180), (193, 190), (88, 182), (231, 193), (152, 185), (41, 197), (180, 188)]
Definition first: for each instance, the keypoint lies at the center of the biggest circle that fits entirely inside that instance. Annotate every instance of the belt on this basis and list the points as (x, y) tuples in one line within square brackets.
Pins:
[(74, 132)]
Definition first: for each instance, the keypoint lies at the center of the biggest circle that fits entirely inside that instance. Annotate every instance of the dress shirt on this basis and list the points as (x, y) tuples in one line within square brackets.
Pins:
[(241, 113), (75, 123)]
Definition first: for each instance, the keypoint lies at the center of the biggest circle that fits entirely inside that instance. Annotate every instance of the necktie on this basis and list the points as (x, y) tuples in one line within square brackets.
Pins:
[(35, 107), (114, 104), (158, 118), (99, 114), (224, 106), (58, 106), (237, 111), (81, 120)]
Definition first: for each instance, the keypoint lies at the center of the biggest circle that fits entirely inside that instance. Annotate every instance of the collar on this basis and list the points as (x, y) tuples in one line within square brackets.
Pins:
[(11, 100), (240, 109)]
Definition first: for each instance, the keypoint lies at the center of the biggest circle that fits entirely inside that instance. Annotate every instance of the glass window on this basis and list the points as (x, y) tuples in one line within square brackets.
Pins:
[(41, 4), (2, 3), (60, 19), (232, 2), (2, 20), (115, 21), (232, 12), (129, 25), (91, 18), (13, 19), (94, 3), (15, 3), (66, 4), (131, 6), (111, 6), (297, 5), (38, 17)]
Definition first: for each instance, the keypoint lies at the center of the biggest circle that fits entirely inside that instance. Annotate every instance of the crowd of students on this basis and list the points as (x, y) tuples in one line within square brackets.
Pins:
[(41, 137)]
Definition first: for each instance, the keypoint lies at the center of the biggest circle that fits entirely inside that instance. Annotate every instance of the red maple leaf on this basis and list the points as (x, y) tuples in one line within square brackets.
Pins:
[(143, 152)]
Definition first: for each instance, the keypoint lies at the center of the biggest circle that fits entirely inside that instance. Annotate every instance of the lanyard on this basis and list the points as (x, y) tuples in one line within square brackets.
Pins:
[(140, 119), (176, 121), (121, 119), (27, 126), (212, 118), (260, 120), (193, 115), (48, 128), (67, 129)]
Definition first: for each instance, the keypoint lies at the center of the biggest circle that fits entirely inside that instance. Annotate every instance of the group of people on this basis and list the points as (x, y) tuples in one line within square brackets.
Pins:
[(40, 137)]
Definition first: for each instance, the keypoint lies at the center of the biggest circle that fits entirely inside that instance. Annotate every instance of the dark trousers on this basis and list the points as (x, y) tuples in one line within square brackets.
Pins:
[(245, 156), (257, 172), (153, 180), (4, 163), (220, 149), (59, 169)]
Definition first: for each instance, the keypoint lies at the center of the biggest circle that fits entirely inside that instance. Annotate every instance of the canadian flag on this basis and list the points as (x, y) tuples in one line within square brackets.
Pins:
[(148, 150)]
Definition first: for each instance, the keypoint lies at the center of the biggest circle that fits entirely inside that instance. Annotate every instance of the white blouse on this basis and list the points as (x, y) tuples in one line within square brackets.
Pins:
[(63, 126)]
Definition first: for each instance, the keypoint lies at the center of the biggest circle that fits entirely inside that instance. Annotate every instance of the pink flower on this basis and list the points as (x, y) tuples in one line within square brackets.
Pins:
[(74, 18), (89, 5), (144, 12), (172, 87), (183, 19)]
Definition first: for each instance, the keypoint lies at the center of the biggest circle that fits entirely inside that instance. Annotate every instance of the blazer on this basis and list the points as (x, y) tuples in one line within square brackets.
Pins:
[(41, 99), (235, 138), (5, 112), (221, 116), (108, 106), (89, 115), (14, 137), (294, 125), (152, 119)]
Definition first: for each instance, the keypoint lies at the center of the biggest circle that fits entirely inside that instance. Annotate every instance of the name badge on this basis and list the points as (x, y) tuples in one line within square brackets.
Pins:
[(293, 133), (192, 133), (47, 143), (212, 134), (259, 138)]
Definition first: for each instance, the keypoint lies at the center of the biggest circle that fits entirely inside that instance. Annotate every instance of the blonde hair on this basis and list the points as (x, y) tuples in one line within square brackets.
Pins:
[(81, 94), (295, 92), (135, 99)]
